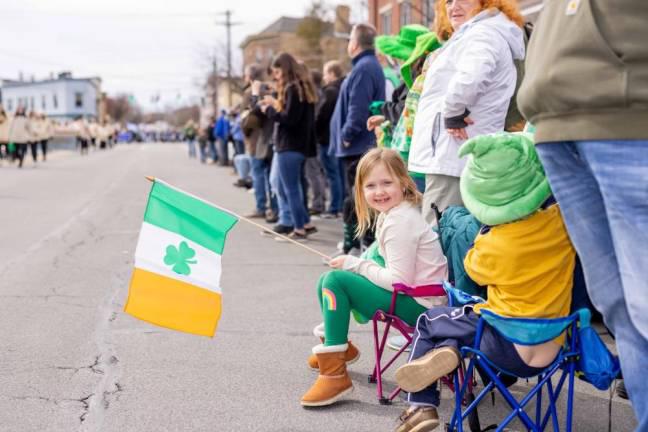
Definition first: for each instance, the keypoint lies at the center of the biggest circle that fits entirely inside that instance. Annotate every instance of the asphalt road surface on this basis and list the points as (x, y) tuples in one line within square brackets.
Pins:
[(71, 360)]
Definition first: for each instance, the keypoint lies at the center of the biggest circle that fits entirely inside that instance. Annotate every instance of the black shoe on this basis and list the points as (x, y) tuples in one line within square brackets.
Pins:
[(314, 212), (311, 230), (282, 229), (621, 390), (240, 183), (294, 236)]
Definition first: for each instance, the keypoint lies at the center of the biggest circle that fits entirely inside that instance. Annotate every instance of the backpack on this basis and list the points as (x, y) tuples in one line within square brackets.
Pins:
[(513, 115)]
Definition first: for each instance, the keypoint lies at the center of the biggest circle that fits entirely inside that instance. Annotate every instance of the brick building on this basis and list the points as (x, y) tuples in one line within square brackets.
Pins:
[(389, 15), (282, 35)]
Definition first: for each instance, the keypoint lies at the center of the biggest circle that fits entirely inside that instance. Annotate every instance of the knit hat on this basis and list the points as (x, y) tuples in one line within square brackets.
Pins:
[(425, 44), (504, 180), (400, 46)]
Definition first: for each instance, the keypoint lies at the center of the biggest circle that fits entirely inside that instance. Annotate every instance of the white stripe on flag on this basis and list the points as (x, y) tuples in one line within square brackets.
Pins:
[(152, 248)]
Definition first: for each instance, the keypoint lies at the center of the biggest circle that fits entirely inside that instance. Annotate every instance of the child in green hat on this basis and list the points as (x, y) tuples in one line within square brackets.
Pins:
[(523, 255)]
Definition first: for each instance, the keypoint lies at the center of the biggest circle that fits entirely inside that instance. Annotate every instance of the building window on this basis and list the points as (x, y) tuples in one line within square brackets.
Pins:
[(9, 105), (43, 102), (405, 10), (428, 13), (78, 100), (54, 101), (385, 22), (31, 103)]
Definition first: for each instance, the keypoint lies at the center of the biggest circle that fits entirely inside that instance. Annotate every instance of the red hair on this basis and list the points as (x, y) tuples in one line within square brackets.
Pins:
[(444, 29)]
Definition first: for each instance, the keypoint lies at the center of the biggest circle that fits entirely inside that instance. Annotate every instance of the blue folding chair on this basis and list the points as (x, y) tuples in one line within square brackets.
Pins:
[(523, 331)]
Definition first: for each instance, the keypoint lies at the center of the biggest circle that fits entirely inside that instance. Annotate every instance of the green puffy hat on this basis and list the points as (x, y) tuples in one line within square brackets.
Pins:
[(504, 180), (400, 46), (425, 44)]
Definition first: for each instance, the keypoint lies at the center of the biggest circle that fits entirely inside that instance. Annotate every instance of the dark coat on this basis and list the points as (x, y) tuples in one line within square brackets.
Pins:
[(365, 84), (324, 111), (296, 124), (393, 109)]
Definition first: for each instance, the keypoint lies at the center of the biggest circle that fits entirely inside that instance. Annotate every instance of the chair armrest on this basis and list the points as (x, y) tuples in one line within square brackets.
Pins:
[(420, 291)]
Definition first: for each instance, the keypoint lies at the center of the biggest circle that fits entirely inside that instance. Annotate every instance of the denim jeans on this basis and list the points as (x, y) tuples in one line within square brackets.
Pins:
[(602, 189), (291, 166), (261, 184), (191, 143), (243, 165), (212, 150), (330, 163), (223, 151), (285, 216)]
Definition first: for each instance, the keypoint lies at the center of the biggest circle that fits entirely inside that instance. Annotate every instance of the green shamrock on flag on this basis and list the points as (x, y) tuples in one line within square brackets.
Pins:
[(180, 258)]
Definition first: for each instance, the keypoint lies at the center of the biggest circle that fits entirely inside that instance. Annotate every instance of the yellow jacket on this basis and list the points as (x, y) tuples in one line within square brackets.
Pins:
[(528, 266)]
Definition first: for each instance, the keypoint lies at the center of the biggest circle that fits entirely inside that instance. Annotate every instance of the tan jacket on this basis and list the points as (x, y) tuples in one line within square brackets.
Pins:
[(587, 71), (5, 124), (19, 130)]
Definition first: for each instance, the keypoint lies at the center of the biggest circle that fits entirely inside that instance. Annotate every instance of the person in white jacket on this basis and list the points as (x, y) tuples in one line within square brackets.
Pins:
[(19, 134), (466, 91)]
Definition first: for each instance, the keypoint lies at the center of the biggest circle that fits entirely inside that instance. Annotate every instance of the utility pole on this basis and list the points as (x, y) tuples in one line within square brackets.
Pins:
[(228, 28), (214, 83)]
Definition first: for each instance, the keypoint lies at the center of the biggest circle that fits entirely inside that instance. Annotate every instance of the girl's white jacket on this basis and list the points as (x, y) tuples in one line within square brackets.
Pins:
[(473, 71)]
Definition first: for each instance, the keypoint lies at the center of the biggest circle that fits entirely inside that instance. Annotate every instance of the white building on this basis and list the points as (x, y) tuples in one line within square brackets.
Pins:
[(63, 97)]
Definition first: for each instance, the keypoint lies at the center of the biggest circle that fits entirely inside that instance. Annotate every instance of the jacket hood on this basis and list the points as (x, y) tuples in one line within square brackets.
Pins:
[(499, 22)]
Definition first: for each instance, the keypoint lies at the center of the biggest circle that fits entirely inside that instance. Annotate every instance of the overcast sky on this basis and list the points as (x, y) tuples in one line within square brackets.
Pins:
[(143, 47)]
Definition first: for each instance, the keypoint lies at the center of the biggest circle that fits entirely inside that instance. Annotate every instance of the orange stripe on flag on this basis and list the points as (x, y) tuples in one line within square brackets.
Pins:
[(173, 304)]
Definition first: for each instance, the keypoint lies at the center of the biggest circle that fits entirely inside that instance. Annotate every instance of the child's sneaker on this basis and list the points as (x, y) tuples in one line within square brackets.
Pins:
[(420, 373), (419, 419)]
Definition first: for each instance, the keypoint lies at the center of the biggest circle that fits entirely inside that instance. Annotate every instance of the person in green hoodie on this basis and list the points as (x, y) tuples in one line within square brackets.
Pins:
[(586, 92)]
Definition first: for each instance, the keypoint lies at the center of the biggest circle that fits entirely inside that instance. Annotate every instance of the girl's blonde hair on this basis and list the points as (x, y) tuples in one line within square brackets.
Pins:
[(396, 167), (444, 29)]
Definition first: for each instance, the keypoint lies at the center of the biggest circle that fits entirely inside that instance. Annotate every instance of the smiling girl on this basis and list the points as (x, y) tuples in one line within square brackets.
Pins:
[(386, 196)]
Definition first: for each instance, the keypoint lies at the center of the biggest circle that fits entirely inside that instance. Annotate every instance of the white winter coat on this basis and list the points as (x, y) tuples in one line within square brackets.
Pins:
[(474, 70)]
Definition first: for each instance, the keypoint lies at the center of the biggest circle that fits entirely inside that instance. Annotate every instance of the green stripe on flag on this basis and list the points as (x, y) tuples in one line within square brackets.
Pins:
[(172, 210)]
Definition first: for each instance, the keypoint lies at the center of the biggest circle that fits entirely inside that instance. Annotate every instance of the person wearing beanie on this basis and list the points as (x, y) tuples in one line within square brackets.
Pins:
[(522, 254), (399, 48)]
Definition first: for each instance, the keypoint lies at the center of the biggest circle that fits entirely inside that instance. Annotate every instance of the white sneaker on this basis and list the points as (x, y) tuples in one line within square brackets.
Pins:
[(397, 342)]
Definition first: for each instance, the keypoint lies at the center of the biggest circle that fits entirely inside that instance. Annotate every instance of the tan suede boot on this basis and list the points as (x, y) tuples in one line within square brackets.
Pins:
[(333, 381), (351, 355)]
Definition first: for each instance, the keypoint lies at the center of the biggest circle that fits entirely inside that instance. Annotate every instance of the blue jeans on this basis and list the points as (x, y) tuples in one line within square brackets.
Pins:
[(243, 165), (330, 164), (285, 217), (261, 184), (191, 143), (291, 166), (602, 189), (212, 150), (223, 151)]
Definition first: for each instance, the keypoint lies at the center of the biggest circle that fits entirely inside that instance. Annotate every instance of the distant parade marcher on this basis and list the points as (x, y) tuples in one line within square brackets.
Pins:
[(190, 137), (33, 126), (19, 134), (4, 135), (83, 135), (48, 134)]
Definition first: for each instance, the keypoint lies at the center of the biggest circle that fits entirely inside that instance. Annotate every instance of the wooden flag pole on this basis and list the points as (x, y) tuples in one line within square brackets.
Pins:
[(264, 228)]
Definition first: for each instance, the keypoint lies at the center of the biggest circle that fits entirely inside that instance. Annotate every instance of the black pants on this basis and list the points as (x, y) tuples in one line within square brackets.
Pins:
[(34, 150), (21, 149), (43, 145)]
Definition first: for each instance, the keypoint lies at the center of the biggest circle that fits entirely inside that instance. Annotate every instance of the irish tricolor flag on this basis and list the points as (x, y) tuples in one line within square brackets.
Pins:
[(176, 281)]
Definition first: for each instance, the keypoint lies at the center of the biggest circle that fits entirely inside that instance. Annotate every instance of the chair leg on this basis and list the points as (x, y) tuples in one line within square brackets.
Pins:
[(570, 395), (539, 403)]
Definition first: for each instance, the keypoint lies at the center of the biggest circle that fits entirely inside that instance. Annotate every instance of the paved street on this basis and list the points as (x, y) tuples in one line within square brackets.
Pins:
[(71, 360)]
